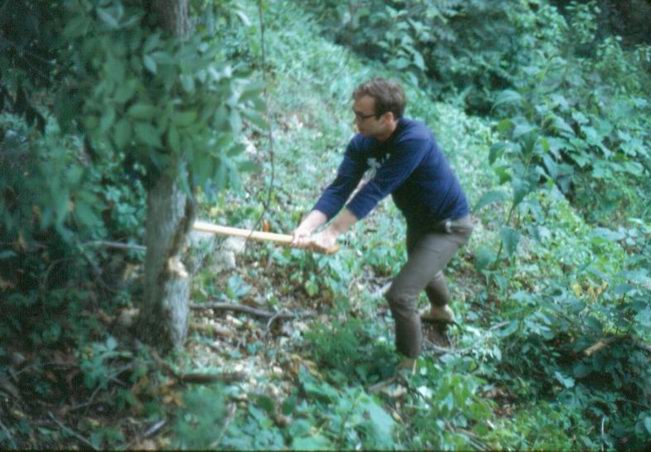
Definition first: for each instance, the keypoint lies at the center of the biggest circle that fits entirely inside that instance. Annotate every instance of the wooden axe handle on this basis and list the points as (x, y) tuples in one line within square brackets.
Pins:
[(284, 239)]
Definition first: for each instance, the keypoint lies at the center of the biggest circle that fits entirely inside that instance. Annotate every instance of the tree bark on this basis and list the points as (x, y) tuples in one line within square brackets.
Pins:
[(170, 215), (173, 16)]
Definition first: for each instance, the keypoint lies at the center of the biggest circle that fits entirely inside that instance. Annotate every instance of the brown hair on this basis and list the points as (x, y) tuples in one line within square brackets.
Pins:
[(388, 96)]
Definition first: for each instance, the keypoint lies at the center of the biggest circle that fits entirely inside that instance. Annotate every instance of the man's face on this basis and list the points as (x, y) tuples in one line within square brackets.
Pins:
[(367, 123)]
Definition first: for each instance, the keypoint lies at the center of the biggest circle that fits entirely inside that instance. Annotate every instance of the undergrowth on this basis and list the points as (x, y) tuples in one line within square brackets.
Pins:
[(551, 352)]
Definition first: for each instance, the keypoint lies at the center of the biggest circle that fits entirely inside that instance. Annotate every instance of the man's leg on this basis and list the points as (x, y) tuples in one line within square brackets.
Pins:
[(437, 291), (428, 255)]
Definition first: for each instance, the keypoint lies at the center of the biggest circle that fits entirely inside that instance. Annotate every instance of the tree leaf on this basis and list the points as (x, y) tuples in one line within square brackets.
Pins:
[(147, 134), (550, 165), (647, 424), (520, 190), (76, 27), (383, 424), (314, 442), (496, 151), (510, 238), (523, 128), (122, 133), (107, 18), (173, 139), (484, 256), (107, 119), (567, 382), (489, 198), (256, 119), (187, 82), (184, 118), (507, 97), (142, 110), (149, 63)]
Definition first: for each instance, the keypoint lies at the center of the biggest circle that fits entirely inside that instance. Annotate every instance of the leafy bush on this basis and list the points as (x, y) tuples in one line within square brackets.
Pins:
[(471, 47)]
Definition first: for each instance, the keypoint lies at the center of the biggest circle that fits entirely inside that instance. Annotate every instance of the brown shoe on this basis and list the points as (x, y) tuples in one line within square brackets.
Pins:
[(407, 366), (440, 314)]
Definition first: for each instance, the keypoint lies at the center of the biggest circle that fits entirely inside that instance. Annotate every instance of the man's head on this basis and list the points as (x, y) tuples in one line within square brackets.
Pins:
[(378, 104)]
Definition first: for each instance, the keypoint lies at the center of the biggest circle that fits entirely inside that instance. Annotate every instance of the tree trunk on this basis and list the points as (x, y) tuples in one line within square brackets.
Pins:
[(170, 215)]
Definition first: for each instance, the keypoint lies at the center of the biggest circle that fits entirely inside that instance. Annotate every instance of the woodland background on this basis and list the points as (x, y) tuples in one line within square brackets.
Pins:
[(122, 121)]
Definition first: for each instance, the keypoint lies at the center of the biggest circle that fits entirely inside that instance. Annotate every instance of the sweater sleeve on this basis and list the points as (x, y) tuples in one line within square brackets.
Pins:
[(349, 174), (404, 159)]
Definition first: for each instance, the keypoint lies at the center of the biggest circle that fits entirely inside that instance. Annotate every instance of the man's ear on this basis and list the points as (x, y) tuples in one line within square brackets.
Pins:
[(388, 116)]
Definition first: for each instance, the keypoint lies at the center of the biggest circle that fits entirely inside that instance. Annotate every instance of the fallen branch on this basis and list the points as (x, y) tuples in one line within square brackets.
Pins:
[(211, 329), (198, 377), (275, 317), (247, 310), (72, 432), (431, 346)]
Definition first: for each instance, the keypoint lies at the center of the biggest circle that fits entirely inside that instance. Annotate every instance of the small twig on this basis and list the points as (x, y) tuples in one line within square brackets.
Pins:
[(8, 434), (603, 433), (442, 350), (601, 343), (273, 319), (380, 292), (90, 402), (499, 325), (643, 345), (116, 245), (72, 432), (382, 384), (472, 437), (232, 409), (151, 431)]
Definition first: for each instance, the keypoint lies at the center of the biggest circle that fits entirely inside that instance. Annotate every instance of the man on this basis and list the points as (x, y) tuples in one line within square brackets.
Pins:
[(410, 166)]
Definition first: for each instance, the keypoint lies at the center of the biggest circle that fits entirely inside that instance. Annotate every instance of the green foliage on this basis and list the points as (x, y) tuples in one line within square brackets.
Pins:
[(581, 122), (157, 99), (471, 47), (349, 418), (350, 348), (198, 424)]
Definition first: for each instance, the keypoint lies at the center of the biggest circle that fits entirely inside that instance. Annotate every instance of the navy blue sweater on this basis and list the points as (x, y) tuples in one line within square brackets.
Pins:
[(409, 165)]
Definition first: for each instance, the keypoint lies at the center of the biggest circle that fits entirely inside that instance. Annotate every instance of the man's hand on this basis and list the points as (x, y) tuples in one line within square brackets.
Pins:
[(325, 241), (302, 233)]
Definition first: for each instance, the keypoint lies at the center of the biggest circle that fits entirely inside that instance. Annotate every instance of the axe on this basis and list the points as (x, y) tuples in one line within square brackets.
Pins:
[(283, 239)]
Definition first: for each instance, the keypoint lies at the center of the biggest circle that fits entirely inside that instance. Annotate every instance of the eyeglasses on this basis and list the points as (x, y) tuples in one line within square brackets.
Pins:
[(361, 116)]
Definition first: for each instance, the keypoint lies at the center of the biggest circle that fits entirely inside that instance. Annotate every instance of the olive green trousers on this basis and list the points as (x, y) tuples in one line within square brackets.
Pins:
[(428, 254)]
